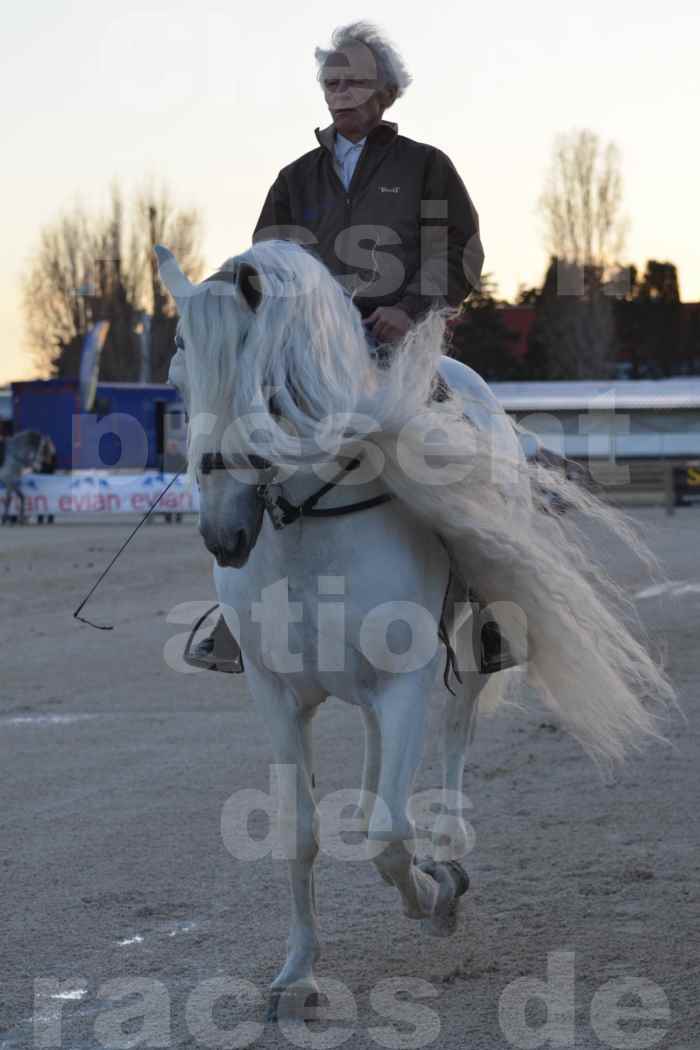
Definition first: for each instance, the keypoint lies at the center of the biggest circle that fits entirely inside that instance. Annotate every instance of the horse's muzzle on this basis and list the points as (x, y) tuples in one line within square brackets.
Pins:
[(230, 555)]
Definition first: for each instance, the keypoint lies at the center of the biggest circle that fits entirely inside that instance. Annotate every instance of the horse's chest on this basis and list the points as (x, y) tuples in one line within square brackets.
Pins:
[(321, 603)]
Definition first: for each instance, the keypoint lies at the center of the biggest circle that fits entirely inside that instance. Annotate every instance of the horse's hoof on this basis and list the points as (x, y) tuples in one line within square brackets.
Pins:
[(296, 1003), (453, 883), (460, 876)]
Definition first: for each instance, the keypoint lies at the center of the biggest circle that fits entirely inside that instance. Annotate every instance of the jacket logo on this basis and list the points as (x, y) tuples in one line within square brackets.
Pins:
[(389, 189)]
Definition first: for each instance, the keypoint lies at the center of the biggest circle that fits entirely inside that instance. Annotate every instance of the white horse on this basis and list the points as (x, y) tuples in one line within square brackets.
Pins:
[(21, 453), (282, 391)]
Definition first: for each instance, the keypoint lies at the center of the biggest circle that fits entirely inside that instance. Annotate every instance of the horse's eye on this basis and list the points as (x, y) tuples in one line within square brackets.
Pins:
[(179, 342)]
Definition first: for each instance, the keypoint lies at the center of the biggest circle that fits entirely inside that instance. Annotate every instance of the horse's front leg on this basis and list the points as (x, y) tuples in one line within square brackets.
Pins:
[(290, 730), (370, 776), (400, 716), (21, 520), (432, 889)]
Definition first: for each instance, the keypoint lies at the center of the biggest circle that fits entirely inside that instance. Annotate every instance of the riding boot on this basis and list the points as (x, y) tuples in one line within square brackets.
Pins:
[(218, 652), (493, 651)]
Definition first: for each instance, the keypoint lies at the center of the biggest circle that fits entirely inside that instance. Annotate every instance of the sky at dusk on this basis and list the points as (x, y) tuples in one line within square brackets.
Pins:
[(215, 98)]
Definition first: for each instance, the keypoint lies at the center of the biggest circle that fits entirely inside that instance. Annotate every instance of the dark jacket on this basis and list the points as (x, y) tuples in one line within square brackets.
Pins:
[(405, 233)]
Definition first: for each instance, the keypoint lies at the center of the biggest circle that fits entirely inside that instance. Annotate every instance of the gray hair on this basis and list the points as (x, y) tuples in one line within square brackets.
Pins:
[(391, 68)]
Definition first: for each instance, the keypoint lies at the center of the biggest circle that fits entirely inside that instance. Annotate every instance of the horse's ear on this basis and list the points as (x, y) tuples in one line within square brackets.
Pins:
[(179, 286), (250, 285)]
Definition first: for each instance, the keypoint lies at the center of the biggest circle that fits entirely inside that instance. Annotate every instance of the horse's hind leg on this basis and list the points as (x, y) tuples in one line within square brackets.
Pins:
[(371, 768), (451, 839)]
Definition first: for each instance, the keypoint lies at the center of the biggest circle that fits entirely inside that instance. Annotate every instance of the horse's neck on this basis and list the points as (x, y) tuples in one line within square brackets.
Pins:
[(18, 451)]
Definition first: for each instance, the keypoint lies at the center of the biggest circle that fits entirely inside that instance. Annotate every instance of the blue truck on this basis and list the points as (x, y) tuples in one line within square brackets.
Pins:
[(132, 426)]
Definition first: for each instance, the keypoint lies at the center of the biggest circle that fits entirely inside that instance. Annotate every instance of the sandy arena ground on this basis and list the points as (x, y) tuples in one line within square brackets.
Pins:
[(116, 768)]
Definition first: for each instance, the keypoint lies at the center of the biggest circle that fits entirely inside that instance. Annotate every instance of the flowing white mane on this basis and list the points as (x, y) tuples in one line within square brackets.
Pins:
[(295, 376), (293, 381)]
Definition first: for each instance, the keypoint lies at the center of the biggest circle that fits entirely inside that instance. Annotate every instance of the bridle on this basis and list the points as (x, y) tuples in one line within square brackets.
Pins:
[(271, 494), (282, 513)]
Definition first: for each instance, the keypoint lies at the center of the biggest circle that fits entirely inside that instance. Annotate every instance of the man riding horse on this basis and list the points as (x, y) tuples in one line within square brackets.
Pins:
[(389, 217)]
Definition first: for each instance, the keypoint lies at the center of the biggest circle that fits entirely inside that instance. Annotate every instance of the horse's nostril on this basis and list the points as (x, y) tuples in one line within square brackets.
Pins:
[(213, 548), (230, 551)]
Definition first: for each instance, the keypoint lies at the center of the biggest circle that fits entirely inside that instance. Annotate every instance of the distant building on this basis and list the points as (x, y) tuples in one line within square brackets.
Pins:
[(519, 320), (610, 419)]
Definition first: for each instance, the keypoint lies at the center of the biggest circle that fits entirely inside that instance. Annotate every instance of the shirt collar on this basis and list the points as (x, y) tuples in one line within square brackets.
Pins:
[(344, 146), (382, 135)]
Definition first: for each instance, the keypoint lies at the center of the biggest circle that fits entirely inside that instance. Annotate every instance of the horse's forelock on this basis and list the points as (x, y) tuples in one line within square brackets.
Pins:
[(212, 326), (298, 358)]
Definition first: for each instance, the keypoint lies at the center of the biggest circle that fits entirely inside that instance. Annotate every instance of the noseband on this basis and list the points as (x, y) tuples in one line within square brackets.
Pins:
[(215, 461), (281, 511)]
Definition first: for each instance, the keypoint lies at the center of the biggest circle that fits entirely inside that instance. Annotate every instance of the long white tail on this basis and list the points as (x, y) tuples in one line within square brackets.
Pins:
[(591, 669)]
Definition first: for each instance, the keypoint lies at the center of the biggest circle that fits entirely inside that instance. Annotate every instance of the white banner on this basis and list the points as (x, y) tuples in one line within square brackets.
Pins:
[(103, 494)]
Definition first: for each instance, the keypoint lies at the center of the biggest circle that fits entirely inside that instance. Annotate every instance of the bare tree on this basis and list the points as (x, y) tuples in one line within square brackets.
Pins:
[(574, 336), (156, 220), (585, 231), (582, 202), (101, 267), (54, 288)]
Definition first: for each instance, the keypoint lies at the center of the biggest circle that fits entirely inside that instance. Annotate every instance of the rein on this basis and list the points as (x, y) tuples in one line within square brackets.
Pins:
[(110, 627), (281, 511)]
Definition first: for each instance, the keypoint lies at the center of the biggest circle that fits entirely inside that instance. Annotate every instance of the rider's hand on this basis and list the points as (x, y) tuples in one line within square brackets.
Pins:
[(389, 323)]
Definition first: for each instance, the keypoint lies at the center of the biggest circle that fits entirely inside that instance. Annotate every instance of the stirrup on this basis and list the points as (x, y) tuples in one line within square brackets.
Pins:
[(497, 657), (211, 662)]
